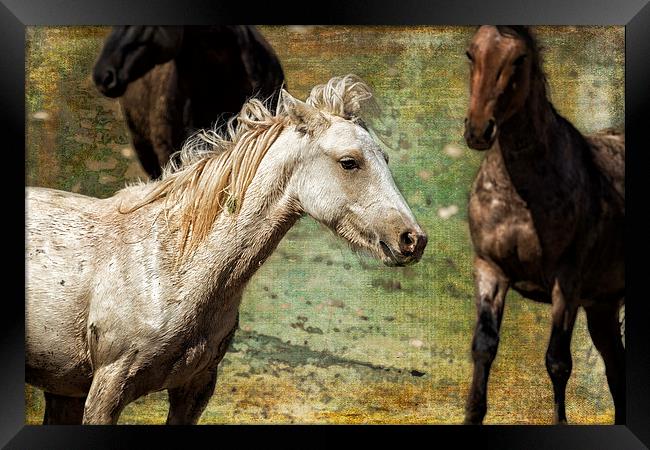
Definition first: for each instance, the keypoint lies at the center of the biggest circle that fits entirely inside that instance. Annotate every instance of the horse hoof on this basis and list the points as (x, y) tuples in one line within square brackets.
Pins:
[(470, 421)]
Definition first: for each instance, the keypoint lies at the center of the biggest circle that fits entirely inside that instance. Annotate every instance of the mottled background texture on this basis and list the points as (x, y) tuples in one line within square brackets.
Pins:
[(327, 336)]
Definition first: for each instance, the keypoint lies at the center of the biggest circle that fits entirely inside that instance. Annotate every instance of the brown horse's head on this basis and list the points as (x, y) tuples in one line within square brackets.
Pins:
[(501, 60)]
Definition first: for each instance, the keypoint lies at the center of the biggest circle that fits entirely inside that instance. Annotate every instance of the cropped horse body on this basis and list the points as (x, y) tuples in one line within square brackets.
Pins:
[(546, 215), (140, 292), (172, 81)]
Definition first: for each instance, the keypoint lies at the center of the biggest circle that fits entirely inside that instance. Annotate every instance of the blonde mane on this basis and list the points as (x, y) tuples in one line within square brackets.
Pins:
[(217, 166), (342, 96)]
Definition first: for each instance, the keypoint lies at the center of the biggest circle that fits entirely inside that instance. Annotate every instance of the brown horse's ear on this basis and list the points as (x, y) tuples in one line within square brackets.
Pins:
[(308, 120)]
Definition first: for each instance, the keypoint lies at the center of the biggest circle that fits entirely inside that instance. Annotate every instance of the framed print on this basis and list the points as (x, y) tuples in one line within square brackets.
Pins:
[(398, 216)]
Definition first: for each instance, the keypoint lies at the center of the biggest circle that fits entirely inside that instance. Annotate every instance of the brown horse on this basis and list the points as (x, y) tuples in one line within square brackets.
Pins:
[(174, 80), (546, 215)]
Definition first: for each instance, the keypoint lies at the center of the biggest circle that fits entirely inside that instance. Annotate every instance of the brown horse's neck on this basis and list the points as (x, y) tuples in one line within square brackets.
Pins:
[(547, 162), (219, 68), (537, 135), (529, 132), (208, 62)]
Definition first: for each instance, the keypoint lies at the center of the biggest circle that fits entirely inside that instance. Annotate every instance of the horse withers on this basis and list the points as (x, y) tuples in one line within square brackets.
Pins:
[(546, 215), (140, 292), (171, 81)]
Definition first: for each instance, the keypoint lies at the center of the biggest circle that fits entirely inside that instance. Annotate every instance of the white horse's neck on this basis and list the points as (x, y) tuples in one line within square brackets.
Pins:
[(239, 245)]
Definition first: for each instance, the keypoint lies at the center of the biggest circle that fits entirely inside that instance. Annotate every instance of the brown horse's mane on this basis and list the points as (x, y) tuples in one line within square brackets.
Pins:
[(539, 83), (527, 35), (539, 89), (520, 31)]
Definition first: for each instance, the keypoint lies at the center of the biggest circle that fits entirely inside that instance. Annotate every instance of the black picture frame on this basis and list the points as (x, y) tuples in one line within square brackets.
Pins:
[(15, 15)]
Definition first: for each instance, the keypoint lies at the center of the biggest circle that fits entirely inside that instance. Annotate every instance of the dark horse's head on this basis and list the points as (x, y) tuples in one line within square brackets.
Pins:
[(503, 61), (131, 51)]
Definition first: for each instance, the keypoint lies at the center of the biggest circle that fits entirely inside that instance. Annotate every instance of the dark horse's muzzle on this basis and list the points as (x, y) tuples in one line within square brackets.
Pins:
[(107, 81), (480, 135)]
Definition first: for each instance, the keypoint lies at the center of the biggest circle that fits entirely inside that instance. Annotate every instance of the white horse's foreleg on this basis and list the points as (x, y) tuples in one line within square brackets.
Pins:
[(108, 395), (187, 403)]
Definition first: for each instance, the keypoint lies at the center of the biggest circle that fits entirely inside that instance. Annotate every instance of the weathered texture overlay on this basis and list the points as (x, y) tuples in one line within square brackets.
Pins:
[(327, 336)]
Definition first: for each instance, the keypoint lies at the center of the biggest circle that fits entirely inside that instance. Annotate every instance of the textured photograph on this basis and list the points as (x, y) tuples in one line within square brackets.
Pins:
[(399, 225)]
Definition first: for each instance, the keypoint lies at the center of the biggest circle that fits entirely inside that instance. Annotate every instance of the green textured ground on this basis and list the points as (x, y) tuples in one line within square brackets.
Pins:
[(325, 336)]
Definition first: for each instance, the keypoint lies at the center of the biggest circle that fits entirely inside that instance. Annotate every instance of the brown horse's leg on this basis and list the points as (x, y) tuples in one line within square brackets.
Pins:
[(187, 403), (604, 329), (491, 289), (558, 354), (61, 410)]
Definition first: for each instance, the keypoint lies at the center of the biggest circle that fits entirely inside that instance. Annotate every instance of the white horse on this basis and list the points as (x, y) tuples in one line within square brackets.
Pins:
[(140, 292)]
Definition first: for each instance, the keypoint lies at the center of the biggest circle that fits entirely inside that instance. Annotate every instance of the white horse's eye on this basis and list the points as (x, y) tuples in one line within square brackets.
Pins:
[(348, 163)]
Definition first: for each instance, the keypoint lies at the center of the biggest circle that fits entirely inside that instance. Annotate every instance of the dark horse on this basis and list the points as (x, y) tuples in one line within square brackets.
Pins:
[(174, 80), (546, 215)]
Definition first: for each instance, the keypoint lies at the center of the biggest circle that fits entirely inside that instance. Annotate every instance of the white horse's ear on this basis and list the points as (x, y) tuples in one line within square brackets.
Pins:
[(306, 118)]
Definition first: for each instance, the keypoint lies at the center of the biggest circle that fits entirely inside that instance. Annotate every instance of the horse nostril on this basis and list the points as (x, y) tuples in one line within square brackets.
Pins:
[(407, 243), (422, 240), (110, 80), (468, 129), (489, 130)]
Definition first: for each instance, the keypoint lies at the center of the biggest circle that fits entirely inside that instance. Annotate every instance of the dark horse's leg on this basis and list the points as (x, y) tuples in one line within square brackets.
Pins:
[(147, 156), (605, 333), (491, 289), (141, 143), (558, 354), (61, 410)]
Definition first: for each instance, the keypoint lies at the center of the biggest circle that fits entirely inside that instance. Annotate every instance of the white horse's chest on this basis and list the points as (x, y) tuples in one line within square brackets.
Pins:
[(175, 328)]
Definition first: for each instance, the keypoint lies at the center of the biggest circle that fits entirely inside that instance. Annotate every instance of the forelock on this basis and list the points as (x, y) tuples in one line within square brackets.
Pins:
[(343, 97)]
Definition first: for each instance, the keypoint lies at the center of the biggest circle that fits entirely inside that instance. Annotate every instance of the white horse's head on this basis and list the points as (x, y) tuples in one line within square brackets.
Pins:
[(343, 179)]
